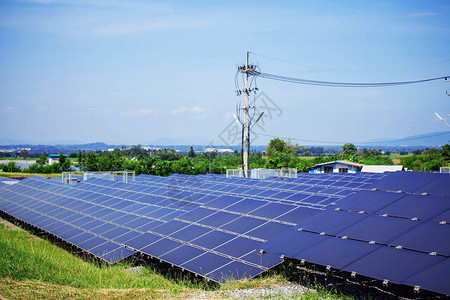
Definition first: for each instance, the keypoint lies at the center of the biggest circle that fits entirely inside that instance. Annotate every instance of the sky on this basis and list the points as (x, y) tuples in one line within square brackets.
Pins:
[(146, 72)]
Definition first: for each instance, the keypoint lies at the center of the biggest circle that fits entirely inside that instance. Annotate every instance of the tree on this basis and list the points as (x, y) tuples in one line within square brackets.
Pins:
[(91, 161), (65, 166), (348, 150), (446, 153), (80, 156), (43, 159), (61, 158), (191, 152), (279, 145), (24, 154)]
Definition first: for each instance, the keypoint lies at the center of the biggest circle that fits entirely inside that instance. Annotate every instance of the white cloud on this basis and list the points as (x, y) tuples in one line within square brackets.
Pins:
[(421, 14), (137, 112), (8, 109), (195, 111)]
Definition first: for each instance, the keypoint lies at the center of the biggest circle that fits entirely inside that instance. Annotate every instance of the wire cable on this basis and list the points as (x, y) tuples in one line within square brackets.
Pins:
[(352, 70), (344, 84)]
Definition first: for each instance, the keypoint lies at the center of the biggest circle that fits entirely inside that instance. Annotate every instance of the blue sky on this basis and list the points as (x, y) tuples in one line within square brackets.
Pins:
[(143, 72)]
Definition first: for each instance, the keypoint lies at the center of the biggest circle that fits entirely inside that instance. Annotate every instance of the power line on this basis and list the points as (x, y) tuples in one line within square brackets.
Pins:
[(343, 84), (378, 142), (353, 70)]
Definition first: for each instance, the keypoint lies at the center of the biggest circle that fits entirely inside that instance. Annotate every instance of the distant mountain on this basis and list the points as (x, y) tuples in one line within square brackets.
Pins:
[(430, 139), (7, 141)]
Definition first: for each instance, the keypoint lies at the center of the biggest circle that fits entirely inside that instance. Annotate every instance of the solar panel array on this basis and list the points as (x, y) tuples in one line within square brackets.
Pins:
[(215, 226), (398, 232), (6, 180)]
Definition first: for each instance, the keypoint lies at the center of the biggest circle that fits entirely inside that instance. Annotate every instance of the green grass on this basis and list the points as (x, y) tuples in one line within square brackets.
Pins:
[(26, 261), (34, 268), (396, 155)]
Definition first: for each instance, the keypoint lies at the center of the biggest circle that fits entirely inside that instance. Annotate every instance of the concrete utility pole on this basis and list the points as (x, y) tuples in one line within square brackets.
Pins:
[(247, 70), (246, 147)]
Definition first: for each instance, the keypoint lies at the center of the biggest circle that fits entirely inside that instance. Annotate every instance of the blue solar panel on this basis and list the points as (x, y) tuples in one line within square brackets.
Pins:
[(267, 260), (439, 186), (223, 201), (314, 199), (429, 237), (91, 243), (331, 221), (272, 210), (291, 242), (435, 278), (160, 247), (336, 252), (142, 240), (246, 206), (379, 229), (395, 265), (117, 254), (213, 239), (234, 270), (444, 217), (238, 247), (182, 254), (268, 230), (218, 219), (125, 237), (115, 232), (190, 232), (243, 224), (298, 214), (405, 181), (417, 206), (163, 199), (368, 202), (206, 263)]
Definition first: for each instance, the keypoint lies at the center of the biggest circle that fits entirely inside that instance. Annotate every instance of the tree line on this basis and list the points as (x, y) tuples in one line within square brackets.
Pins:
[(279, 154)]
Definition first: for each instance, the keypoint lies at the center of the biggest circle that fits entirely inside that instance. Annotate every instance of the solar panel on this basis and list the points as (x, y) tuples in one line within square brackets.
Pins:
[(435, 278), (298, 214), (367, 201), (217, 219), (417, 206), (444, 217), (214, 226), (206, 263), (160, 247), (272, 210), (395, 265), (439, 186), (268, 230), (405, 181), (430, 237), (331, 221), (379, 229), (243, 224), (234, 270), (291, 242), (336, 252)]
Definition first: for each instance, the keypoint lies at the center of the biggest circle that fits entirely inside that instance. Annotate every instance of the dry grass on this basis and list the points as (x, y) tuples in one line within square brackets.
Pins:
[(19, 174)]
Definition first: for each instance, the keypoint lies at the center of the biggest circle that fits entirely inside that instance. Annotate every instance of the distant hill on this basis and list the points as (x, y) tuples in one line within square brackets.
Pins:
[(434, 139), (428, 140)]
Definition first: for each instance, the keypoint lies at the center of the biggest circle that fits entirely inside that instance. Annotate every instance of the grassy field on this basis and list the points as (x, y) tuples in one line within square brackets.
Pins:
[(33, 268), (19, 174)]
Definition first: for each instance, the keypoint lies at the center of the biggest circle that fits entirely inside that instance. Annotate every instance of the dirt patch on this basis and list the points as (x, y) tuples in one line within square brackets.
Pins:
[(10, 225)]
